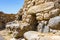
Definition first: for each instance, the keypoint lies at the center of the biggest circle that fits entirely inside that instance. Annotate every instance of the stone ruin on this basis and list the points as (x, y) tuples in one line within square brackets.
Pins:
[(38, 15)]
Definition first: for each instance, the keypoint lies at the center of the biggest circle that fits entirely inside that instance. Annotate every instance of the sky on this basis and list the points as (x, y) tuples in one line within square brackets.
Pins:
[(11, 6)]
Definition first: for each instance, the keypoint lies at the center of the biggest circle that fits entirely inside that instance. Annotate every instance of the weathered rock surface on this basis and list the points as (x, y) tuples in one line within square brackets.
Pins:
[(54, 12), (12, 25), (54, 22), (42, 27), (41, 7), (33, 35)]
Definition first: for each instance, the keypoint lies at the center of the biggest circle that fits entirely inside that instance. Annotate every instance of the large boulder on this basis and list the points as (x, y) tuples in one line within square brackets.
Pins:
[(41, 7), (54, 22), (32, 35)]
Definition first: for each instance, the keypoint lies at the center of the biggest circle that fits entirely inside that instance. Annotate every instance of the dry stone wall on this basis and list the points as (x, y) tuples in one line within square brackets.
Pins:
[(38, 15), (36, 12)]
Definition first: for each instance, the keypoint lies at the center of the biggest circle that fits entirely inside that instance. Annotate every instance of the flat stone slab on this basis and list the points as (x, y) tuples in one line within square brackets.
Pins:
[(41, 7)]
